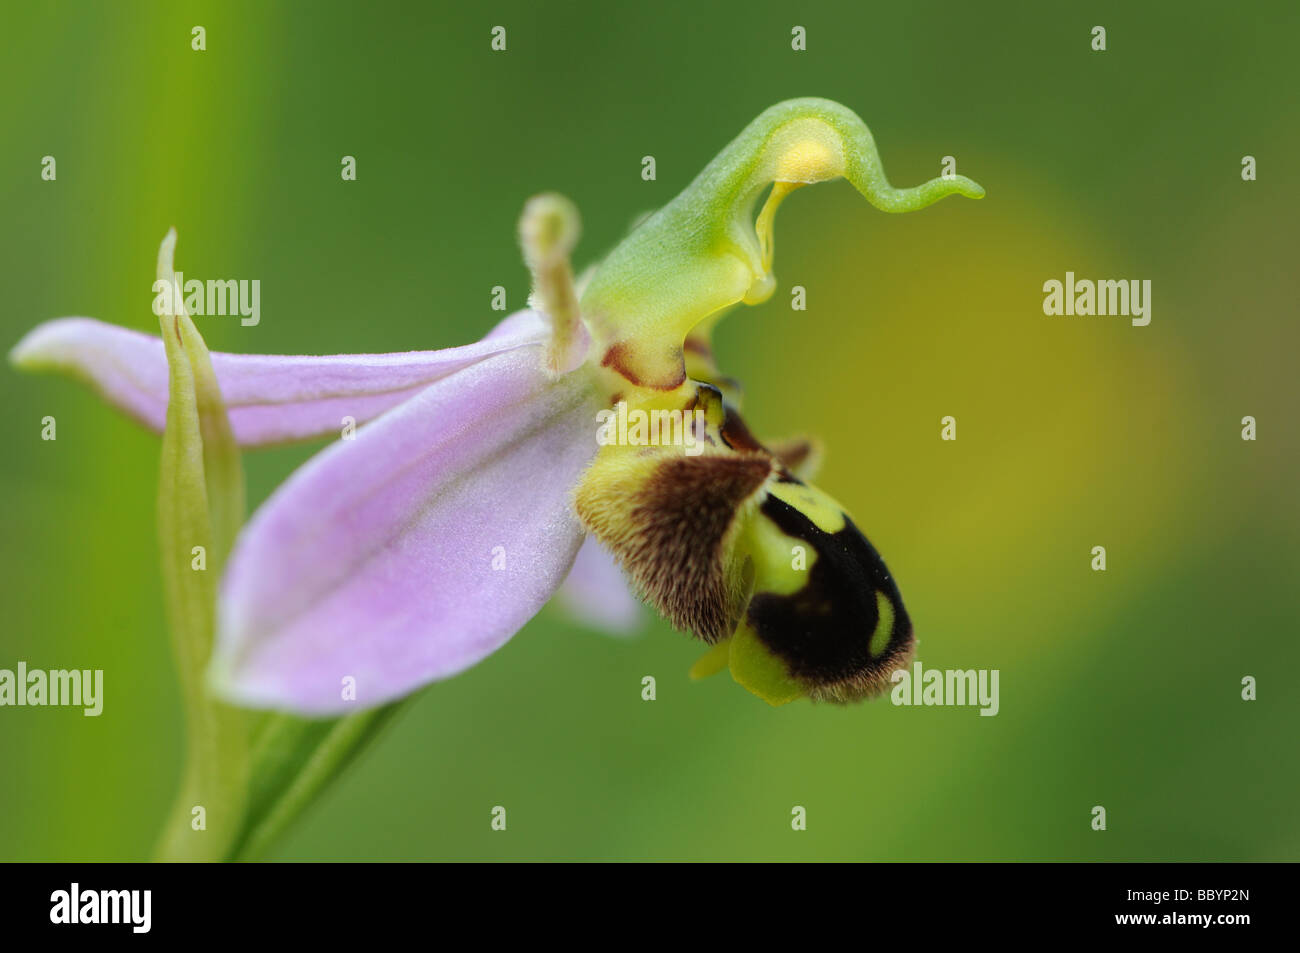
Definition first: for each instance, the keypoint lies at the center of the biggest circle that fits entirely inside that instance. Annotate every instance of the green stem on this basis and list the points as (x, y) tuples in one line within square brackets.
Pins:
[(292, 761)]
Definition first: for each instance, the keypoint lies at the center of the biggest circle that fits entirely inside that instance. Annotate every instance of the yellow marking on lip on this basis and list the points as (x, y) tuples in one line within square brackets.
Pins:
[(884, 626), (825, 513), (772, 552), (758, 670)]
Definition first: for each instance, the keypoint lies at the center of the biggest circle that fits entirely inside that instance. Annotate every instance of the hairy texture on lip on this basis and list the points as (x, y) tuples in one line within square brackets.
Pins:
[(670, 520)]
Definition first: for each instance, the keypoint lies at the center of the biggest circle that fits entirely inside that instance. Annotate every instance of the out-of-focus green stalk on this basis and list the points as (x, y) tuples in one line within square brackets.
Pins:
[(200, 508), (292, 760)]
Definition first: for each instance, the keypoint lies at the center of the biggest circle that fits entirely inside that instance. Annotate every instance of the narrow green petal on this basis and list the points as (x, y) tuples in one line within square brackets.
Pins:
[(200, 506)]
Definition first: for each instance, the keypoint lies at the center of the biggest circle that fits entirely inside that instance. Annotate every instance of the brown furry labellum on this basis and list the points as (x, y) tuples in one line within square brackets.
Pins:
[(733, 538), (671, 521)]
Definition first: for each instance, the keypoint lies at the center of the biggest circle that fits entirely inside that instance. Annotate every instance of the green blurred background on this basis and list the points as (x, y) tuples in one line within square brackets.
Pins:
[(1119, 688)]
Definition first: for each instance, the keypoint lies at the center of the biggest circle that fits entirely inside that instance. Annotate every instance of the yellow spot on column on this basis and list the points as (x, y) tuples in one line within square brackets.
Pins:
[(809, 160)]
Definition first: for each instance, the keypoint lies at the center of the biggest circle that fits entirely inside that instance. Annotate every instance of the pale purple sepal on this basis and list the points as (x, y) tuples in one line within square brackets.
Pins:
[(412, 551), (596, 592), (271, 399)]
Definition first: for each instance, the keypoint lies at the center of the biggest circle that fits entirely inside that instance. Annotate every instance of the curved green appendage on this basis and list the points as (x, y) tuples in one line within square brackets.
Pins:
[(704, 252)]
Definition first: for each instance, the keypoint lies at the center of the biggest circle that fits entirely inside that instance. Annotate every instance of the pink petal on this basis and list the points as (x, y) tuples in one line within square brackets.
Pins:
[(375, 561), (271, 398), (596, 592)]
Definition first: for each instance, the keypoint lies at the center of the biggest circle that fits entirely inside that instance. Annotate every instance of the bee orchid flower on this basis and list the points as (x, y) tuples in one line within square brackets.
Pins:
[(411, 549)]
